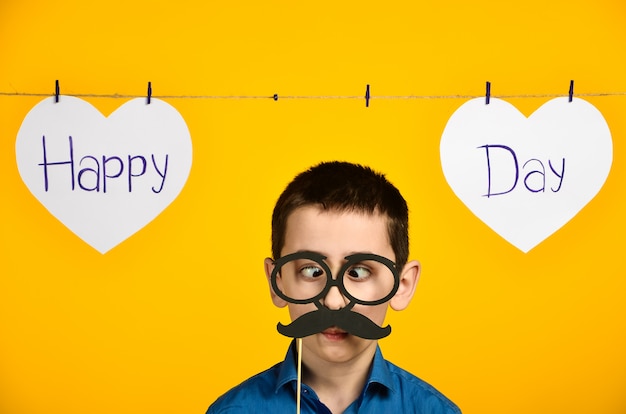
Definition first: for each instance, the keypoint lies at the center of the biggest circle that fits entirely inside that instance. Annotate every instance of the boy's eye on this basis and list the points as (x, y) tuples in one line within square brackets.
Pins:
[(359, 273), (311, 272)]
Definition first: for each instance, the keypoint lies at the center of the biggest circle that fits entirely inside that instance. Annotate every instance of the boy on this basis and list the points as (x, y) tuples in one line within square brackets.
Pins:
[(340, 247)]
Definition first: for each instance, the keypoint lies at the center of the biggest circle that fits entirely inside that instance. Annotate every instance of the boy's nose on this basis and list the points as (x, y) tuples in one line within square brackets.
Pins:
[(334, 300)]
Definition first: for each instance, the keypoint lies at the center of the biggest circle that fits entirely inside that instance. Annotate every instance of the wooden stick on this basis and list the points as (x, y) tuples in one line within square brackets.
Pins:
[(299, 382)]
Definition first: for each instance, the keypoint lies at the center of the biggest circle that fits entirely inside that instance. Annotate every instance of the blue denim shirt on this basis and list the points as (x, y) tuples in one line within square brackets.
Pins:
[(389, 389)]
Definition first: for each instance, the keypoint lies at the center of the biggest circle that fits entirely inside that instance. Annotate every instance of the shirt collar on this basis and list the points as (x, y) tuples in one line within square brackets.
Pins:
[(288, 370), (379, 372)]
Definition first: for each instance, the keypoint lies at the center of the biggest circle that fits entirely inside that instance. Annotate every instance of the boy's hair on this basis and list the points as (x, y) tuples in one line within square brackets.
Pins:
[(342, 186)]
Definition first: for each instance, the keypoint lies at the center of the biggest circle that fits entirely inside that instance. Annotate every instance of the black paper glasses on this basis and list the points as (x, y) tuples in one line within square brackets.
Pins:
[(365, 278)]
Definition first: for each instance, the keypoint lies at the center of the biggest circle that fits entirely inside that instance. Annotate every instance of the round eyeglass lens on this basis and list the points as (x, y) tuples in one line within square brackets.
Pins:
[(301, 279), (368, 280)]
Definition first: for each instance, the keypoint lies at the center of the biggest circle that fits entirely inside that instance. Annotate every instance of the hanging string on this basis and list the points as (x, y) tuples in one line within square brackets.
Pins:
[(313, 97)]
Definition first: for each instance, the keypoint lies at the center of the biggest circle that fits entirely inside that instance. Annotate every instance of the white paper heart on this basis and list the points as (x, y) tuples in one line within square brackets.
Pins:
[(526, 177), (104, 178)]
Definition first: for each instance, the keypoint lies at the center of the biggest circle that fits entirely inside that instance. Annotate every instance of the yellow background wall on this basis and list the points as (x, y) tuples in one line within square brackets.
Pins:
[(179, 313)]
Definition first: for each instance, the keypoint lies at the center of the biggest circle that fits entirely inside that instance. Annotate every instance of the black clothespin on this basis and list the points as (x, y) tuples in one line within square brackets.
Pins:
[(149, 93), (367, 96), (487, 92), (571, 90), (56, 91)]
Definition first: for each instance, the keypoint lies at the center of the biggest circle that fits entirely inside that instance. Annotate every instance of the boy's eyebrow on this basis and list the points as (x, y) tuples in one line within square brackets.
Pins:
[(354, 253), (310, 252), (316, 253)]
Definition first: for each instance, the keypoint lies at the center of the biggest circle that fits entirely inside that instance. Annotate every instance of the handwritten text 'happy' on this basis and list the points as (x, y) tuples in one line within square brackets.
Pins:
[(95, 173)]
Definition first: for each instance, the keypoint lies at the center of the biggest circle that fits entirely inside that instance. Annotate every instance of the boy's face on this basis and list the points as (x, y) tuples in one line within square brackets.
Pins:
[(337, 235)]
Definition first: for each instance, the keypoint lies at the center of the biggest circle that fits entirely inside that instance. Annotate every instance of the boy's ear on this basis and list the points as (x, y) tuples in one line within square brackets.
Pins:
[(408, 281), (269, 267)]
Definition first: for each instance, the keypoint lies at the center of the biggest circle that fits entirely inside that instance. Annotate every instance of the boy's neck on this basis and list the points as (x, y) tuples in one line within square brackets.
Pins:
[(338, 384)]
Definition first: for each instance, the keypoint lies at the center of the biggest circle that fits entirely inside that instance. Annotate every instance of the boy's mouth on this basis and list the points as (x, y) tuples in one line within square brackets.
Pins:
[(334, 334)]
